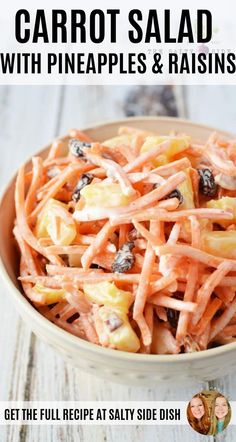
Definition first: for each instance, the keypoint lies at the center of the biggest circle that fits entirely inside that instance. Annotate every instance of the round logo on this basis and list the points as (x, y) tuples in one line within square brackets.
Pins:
[(209, 412)]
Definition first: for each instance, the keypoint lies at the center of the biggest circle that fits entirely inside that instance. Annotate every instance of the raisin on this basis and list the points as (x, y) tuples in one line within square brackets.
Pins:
[(133, 234), (173, 317), (76, 195), (73, 318), (175, 194), (113, 322), (76, 147), (95, 266), (124, 259), (207, 184), (218, 227), (214, 345), (84, 180)]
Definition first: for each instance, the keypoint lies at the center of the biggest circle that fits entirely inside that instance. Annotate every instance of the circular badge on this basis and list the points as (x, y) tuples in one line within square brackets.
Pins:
[(209, 412)]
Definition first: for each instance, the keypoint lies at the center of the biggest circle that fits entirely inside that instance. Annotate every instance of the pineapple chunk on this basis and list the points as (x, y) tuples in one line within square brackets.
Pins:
[(186, 190), (225, 203), (220, 243), (177, 145), (104, 195), (46, 224), (119, 140), (106, 293), (42, 223), (114, 302), (51, 295), (67, 233), (161, 161), (123, 337)]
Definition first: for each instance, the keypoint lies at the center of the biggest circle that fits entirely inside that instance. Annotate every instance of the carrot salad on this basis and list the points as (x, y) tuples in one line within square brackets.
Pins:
[(131, 243)]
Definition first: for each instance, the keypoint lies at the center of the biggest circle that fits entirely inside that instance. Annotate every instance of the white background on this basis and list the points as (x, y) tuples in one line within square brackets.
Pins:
[(224, 38)]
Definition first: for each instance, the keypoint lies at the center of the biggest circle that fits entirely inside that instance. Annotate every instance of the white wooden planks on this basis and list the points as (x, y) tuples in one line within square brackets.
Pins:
[(212, 105), (20, 136)]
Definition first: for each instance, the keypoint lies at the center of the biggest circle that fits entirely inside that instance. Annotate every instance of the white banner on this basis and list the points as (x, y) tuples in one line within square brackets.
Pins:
[(131, 42), (97, 413)]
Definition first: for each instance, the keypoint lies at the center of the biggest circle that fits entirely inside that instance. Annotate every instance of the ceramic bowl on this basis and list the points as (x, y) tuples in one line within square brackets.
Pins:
[(132, 369)]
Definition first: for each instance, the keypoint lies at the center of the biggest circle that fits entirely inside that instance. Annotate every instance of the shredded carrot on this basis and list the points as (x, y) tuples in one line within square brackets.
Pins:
[(227, 281), (163, 340), (226, 294), (182, 214), (69, 172), (221, 322), (168, 264), (23, 226), (219, 160), (154, 240), (82, 136), (195, 184), (124, 230), (76, 298), (161, 313), (162, 283), (205, 291), (55, 150), (163, 215), (138, 142), (169, 204), (150, 198), (96, 247), (188, 297), (113, 170), (99, 327), (36, 298), (192, 278), (145, 177), (210, 311), (138, 264), (142, 159), (36, 182), (172, 168), (133, 131), (148, 315), (227, 332), (143, 288), (174, 234), (203, 338), (57, 162), (96, 274), (89, 328), (197, 255), (117, 218), (175, 304), (26, 252)]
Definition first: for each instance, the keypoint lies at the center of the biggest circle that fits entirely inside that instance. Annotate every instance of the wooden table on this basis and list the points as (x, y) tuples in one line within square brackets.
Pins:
[(29, 369)]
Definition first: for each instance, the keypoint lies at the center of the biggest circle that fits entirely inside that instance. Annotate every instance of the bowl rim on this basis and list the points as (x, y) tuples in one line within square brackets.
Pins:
[(78, 343)]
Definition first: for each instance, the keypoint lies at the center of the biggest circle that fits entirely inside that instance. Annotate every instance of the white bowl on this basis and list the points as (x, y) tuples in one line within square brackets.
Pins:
[(133, 369)]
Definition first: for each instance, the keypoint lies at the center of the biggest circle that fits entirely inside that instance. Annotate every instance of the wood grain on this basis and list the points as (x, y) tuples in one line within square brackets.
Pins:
[(212, 105), (18, 140)]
